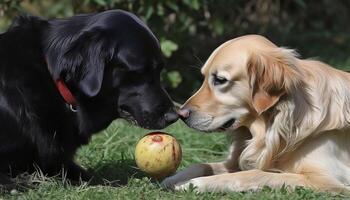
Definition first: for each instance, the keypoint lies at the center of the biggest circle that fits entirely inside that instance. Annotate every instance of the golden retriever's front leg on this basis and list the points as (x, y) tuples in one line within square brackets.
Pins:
[(256, 179)]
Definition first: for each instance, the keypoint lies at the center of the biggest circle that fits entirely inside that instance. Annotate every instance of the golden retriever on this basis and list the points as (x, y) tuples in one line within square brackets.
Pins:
[(289, 117)]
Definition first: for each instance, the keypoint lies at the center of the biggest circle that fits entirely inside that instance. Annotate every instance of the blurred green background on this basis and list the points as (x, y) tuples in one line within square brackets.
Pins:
[(189, 30)]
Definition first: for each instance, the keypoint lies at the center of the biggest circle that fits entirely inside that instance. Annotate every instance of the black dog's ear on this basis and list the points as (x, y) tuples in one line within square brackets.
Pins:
[(88, 48), (79, 59)]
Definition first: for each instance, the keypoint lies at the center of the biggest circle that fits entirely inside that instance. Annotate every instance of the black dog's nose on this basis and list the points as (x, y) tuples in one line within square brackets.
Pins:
[(171, 116)]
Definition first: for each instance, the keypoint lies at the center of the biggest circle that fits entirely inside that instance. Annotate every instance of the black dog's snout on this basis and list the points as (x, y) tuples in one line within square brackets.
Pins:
[(171, 116)]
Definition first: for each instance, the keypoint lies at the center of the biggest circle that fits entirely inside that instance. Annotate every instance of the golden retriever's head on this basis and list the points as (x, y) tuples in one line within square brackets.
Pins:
[(244, 77)]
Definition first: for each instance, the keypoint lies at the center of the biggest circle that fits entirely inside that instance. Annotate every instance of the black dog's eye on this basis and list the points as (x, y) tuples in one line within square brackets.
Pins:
[(219, 80)]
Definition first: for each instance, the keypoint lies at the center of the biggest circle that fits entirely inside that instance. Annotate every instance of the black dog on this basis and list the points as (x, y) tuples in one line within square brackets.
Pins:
[(63, 80)]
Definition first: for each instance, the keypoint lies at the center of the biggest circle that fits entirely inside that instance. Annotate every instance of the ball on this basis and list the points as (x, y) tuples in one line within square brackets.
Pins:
[(158, 154)]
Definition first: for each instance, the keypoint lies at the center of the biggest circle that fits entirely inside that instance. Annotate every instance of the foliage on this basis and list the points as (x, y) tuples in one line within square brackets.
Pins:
[(190, 29)]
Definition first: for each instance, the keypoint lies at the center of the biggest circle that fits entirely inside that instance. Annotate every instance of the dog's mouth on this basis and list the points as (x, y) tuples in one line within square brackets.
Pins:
[(227, 124), (128, 116)]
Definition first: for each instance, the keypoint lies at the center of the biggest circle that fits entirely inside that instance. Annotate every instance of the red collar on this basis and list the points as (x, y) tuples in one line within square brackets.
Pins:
[(64, 91)]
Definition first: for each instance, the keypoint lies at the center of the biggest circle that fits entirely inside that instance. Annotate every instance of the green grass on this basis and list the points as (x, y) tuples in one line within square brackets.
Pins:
[(110, 154)]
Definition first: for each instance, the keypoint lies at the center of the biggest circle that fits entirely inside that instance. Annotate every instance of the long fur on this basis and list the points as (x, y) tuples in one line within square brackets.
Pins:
[(311, 108), (277, 71)]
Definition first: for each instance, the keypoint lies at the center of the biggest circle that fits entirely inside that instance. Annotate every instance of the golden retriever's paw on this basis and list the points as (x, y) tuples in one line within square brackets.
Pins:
[(191, 185), (213, 184)]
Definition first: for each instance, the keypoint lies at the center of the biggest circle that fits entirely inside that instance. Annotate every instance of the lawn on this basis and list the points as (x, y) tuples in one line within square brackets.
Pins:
[(110, 154)]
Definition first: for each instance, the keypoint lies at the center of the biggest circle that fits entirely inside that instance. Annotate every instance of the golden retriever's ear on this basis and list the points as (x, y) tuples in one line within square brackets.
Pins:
[(271, 75)]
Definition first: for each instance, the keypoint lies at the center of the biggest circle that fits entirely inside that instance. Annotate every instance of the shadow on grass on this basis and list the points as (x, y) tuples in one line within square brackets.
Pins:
[(118, 172), (113, 173)]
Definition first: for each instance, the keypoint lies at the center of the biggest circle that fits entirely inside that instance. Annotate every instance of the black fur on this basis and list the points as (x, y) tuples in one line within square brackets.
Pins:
[(110, 61)]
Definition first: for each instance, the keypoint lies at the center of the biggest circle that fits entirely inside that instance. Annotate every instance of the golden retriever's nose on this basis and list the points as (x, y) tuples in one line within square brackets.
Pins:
[(184, 113)]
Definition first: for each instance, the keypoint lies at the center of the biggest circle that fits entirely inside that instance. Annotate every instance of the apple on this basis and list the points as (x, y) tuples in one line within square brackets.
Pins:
[(158, 154)]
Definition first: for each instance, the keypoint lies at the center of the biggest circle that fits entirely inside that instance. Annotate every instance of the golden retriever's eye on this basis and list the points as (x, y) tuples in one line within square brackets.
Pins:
[(219, 80)]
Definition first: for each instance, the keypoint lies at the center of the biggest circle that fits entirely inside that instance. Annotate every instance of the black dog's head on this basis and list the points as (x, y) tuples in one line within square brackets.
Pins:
[(111, 62)]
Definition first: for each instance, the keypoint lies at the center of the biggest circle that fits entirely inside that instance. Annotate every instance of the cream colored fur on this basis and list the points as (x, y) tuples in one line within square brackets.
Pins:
[(292, 120)]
